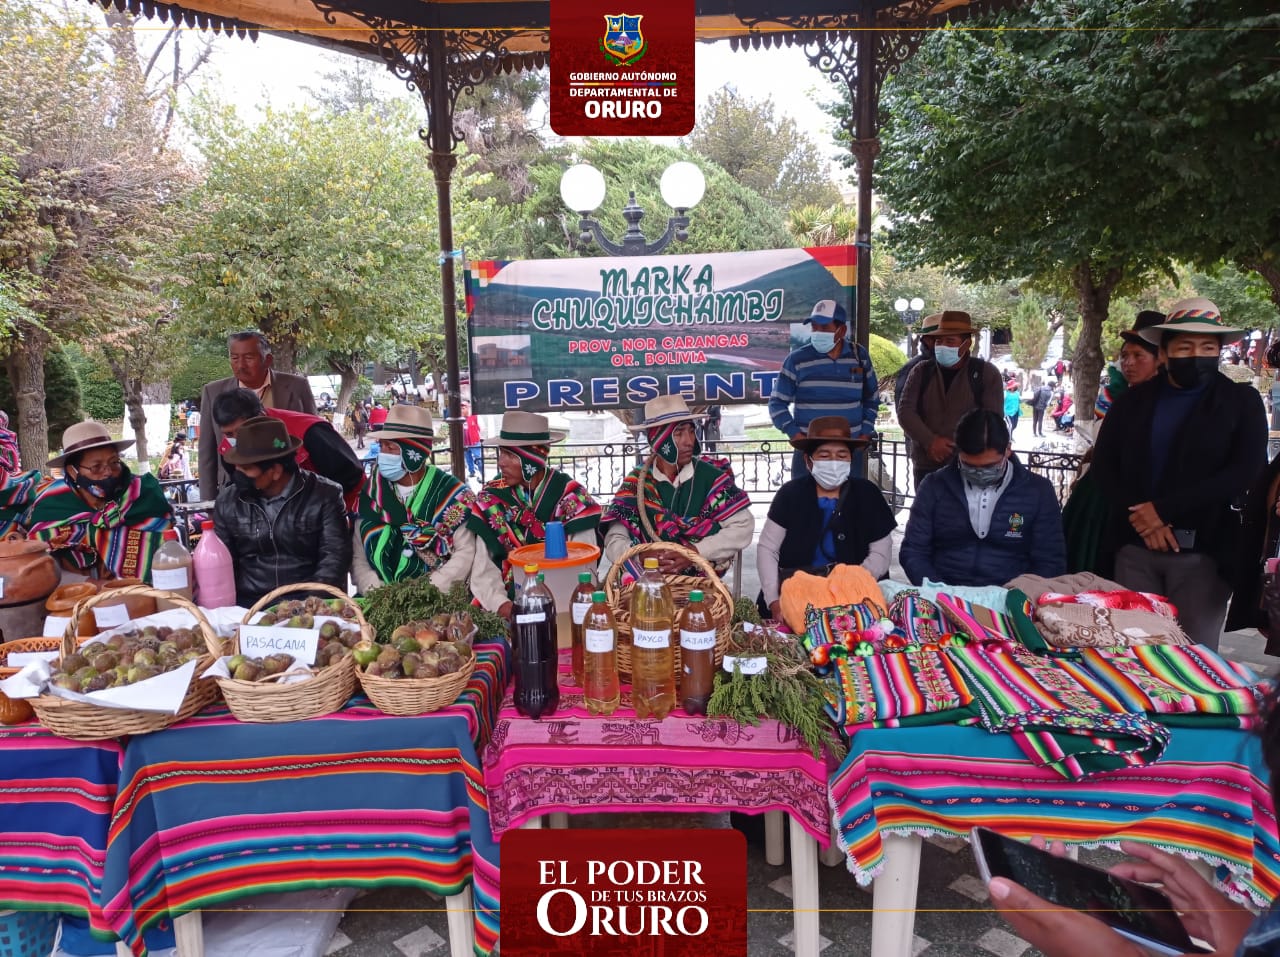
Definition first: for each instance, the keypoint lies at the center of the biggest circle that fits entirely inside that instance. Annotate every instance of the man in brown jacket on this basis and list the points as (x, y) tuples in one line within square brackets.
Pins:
[(942, 388)]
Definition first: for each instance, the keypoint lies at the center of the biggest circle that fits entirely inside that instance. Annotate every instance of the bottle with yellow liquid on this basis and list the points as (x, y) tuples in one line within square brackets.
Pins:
[(600, 657), (580, 603), (653, 681)]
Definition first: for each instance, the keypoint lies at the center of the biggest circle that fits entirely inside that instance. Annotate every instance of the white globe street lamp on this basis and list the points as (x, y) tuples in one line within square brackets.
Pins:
[(582, 187)]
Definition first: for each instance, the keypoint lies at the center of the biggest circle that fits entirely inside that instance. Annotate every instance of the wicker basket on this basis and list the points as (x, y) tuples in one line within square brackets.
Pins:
[(719, 600), (405, 696), (17, 710), (82, 721), (269, 702)]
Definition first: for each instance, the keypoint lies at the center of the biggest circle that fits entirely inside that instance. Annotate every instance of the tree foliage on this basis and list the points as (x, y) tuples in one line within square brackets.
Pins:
[(62, 396), (320, 230), (1031, 332), (1079, 143), (763, 150)]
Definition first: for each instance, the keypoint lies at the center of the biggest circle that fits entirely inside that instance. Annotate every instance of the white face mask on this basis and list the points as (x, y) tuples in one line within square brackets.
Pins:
[(831, 473)]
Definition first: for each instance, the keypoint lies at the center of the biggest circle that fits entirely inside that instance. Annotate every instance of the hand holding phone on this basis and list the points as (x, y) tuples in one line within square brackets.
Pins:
[(1140, 913)]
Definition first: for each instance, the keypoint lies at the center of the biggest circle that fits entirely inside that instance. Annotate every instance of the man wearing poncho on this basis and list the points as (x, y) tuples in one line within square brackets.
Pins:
[(99, 519), (678, 496), (513, 509), (412, 515)]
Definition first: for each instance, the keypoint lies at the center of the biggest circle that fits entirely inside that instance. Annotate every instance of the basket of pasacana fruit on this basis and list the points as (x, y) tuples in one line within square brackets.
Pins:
[(423, 666), (131, 655), (274, 687)]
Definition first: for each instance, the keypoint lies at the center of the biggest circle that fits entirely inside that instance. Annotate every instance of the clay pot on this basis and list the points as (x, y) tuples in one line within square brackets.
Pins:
[(136, 606), (28, 570), (64, 600)]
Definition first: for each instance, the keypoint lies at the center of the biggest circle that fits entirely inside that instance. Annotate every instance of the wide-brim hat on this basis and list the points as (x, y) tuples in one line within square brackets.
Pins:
[(949, 322), (525, 428), (261, 439), (828, 428), (665, 410), (84, 436), (1145, 320), (407, 422), (1194, 317)]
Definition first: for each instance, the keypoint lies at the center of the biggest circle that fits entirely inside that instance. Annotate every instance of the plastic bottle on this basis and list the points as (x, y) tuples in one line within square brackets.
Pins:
[(653, 680), (580, 603), (697, 655), (534, 627), (171, 569), (600, 641), (215, 573)]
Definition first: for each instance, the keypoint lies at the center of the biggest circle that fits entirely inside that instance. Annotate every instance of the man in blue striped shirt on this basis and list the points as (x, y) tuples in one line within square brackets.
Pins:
[(828, 376)]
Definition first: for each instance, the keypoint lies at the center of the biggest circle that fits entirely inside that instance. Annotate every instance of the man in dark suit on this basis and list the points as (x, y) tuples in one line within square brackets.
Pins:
[(250, 358)]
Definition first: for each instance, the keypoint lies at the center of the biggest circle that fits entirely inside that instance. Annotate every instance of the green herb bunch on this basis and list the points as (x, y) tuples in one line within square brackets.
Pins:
[(786, 690), (391, 605)]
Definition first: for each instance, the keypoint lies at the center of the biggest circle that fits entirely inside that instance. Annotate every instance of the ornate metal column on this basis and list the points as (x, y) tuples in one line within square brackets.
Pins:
[(439, 64)]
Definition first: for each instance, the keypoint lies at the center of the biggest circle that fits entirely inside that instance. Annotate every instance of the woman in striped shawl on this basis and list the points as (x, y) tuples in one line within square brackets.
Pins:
[(99, 519), (412, 515)]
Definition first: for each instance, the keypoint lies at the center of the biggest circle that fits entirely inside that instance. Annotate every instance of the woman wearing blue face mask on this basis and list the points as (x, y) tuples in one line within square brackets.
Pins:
[(412, 518), (825, 518), (985, 519)]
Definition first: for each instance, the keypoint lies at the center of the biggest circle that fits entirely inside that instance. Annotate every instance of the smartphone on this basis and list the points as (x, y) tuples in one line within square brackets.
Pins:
[(1141, 913), (1185, 537)]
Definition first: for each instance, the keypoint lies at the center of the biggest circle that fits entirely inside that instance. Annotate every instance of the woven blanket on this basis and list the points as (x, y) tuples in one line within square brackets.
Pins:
[(1207, 799), (1082, 625), (1182, 684), (212, 809), (577, 763), (894, 690), (1060, 716)]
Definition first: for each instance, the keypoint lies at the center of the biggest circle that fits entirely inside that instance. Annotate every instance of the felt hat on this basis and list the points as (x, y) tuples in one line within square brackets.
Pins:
[(827, 311), (1195, 316), (828, 428), (664, 410), (1145, 320), (407, 422), (84, 436), (261, 439), (950, 322), (525, 428)]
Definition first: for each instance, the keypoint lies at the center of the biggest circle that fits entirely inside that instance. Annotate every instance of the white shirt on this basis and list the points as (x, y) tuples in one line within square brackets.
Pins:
[(982, 502)]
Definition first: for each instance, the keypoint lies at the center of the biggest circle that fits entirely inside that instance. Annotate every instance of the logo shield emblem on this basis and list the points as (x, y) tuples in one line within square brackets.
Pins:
[(622, 41)]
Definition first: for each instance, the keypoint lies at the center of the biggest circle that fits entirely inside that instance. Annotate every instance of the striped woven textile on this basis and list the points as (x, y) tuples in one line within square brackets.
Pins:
[(1207, 799), (577, 763), (1188, 682), (212, 810), (894, 689), (56, 798)]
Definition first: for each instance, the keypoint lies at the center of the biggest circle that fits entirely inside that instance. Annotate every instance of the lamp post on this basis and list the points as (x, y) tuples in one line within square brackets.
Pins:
[(582, 188), (909, 313)]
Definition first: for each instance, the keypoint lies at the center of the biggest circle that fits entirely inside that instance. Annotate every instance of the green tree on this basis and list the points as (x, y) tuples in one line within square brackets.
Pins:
[(87, 194), (763, 151), (61, 400), (1031, 332), (1085, 128), (319, 232)]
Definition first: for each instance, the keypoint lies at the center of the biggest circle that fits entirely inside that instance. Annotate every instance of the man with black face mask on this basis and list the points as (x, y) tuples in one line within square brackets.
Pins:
[(1173, 456), (985, 518)]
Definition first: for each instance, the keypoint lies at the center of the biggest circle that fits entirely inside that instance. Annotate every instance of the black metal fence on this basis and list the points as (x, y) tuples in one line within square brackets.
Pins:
[(760, 468)]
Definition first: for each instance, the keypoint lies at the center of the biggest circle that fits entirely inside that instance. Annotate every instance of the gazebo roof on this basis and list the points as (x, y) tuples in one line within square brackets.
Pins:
[(748, 22)]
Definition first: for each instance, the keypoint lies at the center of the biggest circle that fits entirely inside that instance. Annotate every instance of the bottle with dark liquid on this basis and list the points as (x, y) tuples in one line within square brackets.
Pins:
[(534, 627), (580, 602), (697, 654)]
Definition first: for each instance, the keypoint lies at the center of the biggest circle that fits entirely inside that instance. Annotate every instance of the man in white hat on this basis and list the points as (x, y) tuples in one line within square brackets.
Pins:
[(412, 515), (678, 496), (828, 375), (1172, 457), (100, 520), (513, 509)]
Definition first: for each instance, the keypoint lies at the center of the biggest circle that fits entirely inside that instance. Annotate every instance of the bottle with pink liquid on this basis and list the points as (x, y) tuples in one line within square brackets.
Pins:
[(215, 573)]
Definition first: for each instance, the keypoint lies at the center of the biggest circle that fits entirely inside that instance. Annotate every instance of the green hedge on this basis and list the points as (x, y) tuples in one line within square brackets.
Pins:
[(886, 358), (100, 391)]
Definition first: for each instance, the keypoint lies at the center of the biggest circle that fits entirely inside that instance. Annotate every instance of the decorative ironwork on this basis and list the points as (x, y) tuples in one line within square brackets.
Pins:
[(471, 57), (194, 19)]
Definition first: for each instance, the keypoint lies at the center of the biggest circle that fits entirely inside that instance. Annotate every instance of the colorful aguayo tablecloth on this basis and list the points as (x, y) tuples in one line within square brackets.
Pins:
[(1207, 798), (55, 801), (577, 763), (211, 810)]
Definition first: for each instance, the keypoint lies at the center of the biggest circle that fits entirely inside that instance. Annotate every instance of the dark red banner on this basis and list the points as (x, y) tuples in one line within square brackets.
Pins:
[(622, 69), (604, 893)]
